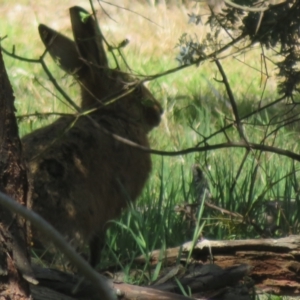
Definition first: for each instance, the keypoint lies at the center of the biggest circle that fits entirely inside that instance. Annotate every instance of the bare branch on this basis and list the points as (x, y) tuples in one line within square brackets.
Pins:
[(232, 101), (99, 281), (247, 8)]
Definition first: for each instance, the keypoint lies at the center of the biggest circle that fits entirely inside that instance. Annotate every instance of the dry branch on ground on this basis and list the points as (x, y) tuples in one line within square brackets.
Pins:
[(207, 282), (274, 263)]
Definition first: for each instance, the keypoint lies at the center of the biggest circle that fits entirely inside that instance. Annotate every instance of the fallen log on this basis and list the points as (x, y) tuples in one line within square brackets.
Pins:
[(275, 263), (216, 272), (201, 281)]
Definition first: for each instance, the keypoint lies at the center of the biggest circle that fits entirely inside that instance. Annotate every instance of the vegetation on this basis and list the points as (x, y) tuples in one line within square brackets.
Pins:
[(196, 106)]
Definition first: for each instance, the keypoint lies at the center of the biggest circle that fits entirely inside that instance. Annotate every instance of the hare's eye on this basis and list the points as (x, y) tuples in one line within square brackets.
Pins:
[(147, 102), (138, 90)]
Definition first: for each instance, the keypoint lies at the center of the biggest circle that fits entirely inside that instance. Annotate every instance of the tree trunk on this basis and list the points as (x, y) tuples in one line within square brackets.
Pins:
[(14, 263)]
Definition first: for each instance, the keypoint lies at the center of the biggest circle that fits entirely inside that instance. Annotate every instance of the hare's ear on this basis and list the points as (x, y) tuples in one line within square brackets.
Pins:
[(88, 37), (62, 49)]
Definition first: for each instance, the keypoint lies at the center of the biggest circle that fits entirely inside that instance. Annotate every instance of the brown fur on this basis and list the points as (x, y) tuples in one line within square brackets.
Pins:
[(82, 177)]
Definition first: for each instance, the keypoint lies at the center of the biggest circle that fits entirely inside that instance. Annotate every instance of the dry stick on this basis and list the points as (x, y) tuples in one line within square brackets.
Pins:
[(99, 31), (263, 59), (51, 93), (254, 146), (56, 85), (237, 215), (247, 8), (44, 66), (241, 217), (216, 17), (100, 282), (132, 11), (43, 115), (232, 101), (243, 118), (284, 124), (223, 210), (237, 118), (239, 171)]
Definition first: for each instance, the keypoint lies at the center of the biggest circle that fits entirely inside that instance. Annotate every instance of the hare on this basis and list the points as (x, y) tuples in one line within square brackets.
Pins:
[(83, 177)]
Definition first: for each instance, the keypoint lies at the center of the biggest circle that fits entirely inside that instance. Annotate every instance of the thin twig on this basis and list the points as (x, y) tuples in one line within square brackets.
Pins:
[(132, 11), (232, 101), (242, 118), (49, 74), (42, 115), (239, 171), (246, 8), (230, 144)]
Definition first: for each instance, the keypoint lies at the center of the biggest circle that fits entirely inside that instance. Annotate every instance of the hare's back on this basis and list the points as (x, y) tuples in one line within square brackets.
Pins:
[(82, 177)]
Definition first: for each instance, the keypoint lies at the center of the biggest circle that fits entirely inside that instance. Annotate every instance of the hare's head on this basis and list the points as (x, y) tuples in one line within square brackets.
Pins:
[(108, 89)]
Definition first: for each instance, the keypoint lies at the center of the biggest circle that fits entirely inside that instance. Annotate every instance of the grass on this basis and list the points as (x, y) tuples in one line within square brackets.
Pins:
[(195, 105)]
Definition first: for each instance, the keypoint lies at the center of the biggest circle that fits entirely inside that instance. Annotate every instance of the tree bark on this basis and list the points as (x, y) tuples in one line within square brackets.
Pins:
[(274, 263), (14, 263)]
